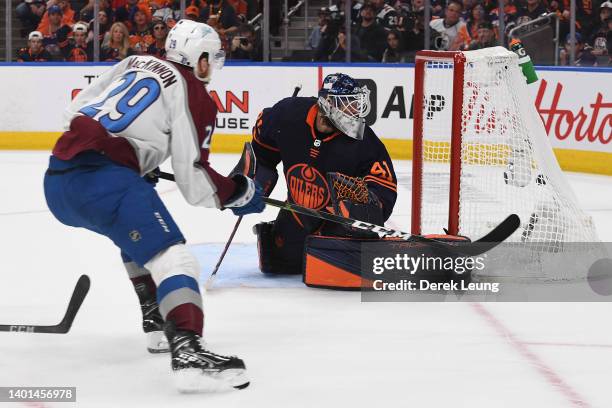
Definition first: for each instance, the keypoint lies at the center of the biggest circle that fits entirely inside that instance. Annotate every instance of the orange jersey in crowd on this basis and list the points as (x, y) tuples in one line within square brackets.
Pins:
[(67, 19)]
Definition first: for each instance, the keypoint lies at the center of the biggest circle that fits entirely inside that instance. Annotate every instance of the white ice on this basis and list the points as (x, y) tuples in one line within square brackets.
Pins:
[(303, 347)]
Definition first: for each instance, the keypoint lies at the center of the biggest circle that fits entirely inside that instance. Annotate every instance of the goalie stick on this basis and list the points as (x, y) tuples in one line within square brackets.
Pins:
[(484, 244), (63, 327), (496, 236)]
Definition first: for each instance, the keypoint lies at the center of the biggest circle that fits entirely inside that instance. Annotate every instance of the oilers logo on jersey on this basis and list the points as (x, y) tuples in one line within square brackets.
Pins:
[(307, 186)]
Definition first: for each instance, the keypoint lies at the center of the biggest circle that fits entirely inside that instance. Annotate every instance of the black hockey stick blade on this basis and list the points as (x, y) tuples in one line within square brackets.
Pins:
[(78, 295), (486, 243)]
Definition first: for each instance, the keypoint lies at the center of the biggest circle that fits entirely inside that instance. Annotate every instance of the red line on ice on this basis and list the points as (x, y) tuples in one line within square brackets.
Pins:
[(585, 345), (547, 372)]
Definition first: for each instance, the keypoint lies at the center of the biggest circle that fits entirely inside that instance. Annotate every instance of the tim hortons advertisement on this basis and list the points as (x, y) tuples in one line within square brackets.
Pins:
[(576, 109)]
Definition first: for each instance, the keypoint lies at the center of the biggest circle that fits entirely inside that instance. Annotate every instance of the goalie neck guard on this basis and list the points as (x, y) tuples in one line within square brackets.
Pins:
[(189, 41), (345, 104)]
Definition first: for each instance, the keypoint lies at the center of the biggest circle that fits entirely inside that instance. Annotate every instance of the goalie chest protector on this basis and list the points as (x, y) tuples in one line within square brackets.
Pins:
[(336, 262)]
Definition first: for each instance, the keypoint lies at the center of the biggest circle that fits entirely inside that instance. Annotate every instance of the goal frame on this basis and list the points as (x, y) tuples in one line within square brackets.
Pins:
[(458, 59)]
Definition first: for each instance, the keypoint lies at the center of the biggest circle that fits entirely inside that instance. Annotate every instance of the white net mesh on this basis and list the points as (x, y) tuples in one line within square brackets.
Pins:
[(507, 163)]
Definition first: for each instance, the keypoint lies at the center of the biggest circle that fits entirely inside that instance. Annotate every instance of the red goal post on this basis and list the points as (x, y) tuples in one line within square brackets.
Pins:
[(457, 59)]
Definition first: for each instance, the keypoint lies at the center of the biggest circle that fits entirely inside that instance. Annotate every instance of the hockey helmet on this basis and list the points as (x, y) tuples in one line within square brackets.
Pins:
[(345, 104), (188, 40)]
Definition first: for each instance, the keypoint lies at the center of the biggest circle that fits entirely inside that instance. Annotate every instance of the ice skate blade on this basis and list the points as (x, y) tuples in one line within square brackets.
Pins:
[(195, 380), (157, 342)]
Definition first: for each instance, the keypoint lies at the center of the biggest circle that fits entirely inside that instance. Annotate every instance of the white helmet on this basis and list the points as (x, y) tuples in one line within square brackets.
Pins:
[(188, 40)]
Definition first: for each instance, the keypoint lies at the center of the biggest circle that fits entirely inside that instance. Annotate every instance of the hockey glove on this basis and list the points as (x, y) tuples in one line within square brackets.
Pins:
[(152, 177), (247, 198)]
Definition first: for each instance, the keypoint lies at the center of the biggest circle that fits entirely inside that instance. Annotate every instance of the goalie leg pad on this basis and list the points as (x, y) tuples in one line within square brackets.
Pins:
[(276, 256), (336, 263)]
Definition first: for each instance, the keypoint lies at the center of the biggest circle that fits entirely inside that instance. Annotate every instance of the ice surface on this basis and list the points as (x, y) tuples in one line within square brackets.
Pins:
[(303, 347)]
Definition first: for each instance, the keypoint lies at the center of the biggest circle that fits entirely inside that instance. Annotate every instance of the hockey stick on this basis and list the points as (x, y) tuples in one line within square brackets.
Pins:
[(496, 236), (484, 244), (246, 171), (245, 166), (63, 327)]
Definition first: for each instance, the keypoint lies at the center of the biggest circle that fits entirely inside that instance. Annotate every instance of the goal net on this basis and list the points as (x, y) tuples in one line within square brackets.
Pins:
[(480, 153)]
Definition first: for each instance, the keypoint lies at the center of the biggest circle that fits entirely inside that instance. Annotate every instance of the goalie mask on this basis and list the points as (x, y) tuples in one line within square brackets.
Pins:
[(345, 104)]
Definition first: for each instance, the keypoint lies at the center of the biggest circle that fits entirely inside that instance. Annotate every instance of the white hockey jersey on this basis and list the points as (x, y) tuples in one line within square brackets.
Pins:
[(151, 110)]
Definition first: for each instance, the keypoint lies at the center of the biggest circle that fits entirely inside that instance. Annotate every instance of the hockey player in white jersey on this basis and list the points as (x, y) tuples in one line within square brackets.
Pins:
[(138, 114)]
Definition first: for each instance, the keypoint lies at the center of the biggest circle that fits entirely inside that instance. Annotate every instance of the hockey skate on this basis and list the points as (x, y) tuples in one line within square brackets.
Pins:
[(196, 369), (152, 322)]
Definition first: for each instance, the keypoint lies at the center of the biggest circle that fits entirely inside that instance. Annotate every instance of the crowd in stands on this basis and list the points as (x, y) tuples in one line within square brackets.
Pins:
[(393, 30), (387, 31), (61, 30)]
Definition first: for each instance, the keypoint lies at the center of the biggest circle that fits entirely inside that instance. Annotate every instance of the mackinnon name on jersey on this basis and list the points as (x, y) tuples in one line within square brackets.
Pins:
[(157, 67)]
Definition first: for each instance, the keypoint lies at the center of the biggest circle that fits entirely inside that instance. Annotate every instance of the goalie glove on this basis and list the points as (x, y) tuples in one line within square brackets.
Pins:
[(352, 199), (370, 212)]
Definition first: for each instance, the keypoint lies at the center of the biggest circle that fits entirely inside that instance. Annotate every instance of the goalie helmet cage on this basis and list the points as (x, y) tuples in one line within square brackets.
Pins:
[(480, 153)]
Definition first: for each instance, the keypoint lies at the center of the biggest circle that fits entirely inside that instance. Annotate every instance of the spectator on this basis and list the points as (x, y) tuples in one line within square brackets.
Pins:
[(66, 12), (30, 13), (414, 33), (339, 52), (510, 11), (372, 36), (226, 20), (315, 35), (245, 45), (601, 26), (141, 35), (78, 49), (104, 26), (35, 52), (394, 52), (386, 16), (601, 33), (86, 13), (240, 8), (56, 35), (328, 40), (584, 55), (468, 5), (485, 37), (530, 11), (450, 33), (476, 16), (160, 32), (116, 44), (125, 13), (192, 13)]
